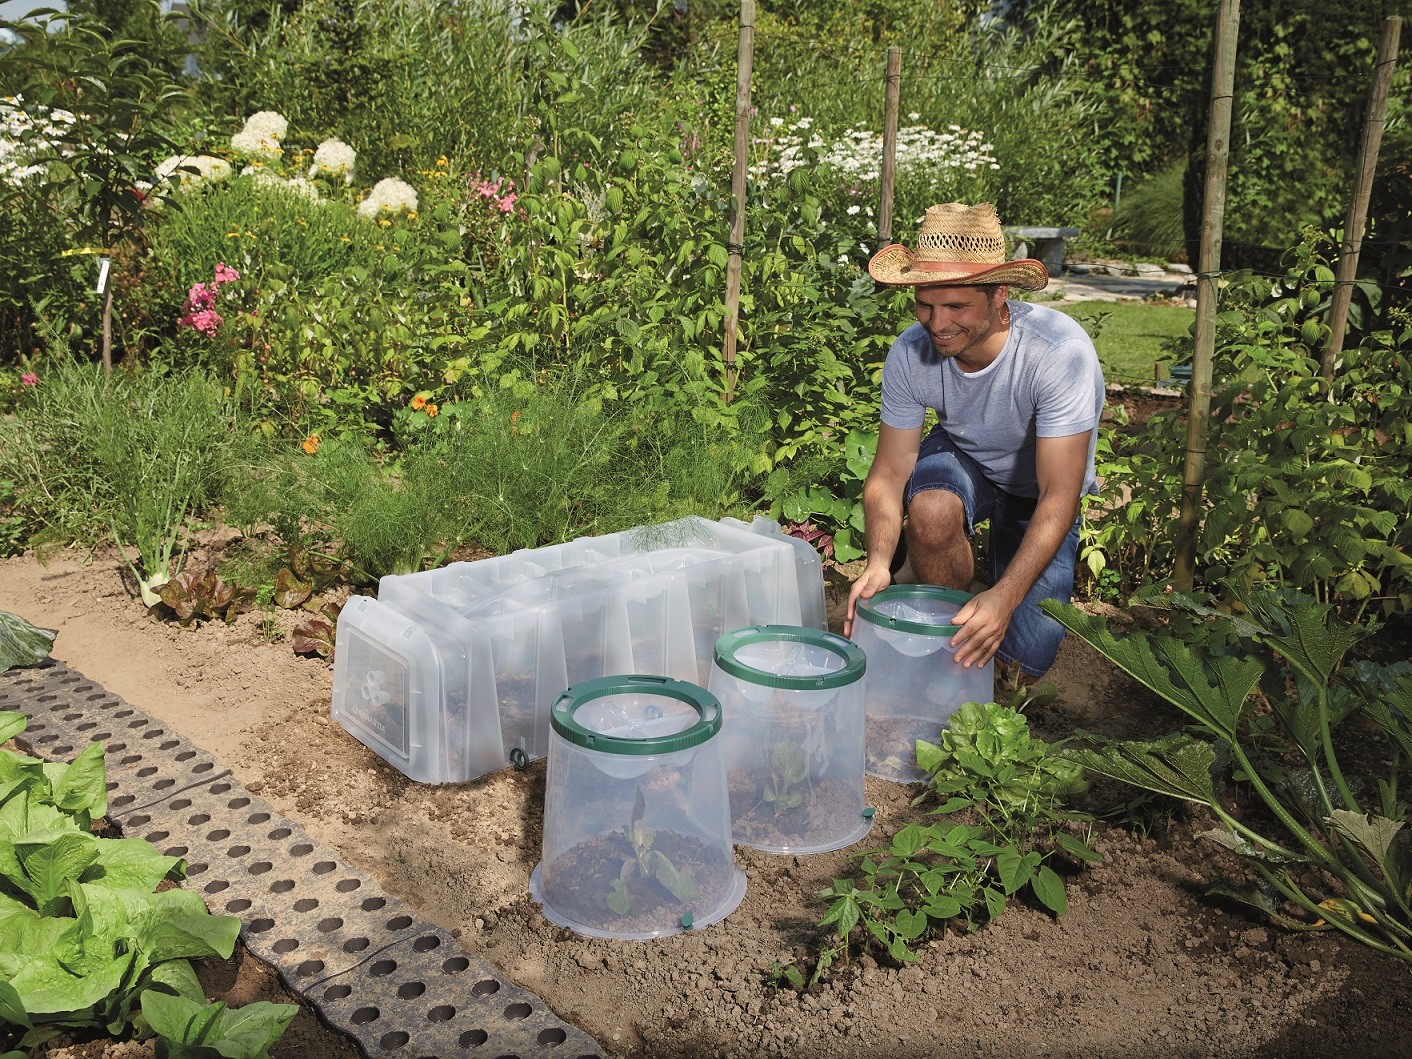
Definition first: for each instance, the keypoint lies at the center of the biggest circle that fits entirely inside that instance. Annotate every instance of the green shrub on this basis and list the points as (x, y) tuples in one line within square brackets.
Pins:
[(261, 230), (1303, 480)]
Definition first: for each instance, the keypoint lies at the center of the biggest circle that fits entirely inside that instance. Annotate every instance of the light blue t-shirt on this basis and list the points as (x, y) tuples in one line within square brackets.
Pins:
[(1046, 383)]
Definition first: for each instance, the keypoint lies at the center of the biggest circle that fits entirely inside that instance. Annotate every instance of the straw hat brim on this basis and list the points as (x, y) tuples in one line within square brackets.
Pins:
[(896, 265)]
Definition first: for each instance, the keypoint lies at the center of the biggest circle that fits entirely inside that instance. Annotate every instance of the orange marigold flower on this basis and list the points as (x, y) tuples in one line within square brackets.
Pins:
[(418, 403), (432, 409), (311, 444)]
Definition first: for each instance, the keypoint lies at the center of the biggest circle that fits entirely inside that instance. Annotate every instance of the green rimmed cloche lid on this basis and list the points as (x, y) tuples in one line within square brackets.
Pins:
[(851, 655), (916, 596), (563, 719)]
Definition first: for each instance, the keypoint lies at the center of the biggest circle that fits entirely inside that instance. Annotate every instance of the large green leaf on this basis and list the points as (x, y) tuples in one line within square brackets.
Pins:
[(176, 923), (47, 988), (49, 859), (1301, 629), (1375, 834), (130, 863), (1210, 690), (1177, 765), (81, 788), (22, 644), (11, 725)]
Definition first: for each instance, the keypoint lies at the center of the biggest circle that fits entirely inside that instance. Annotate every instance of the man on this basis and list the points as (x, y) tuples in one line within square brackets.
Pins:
[(1018, 391)]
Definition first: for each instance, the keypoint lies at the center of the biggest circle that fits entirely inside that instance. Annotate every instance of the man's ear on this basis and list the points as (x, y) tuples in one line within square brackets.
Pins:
[(1002, 292)]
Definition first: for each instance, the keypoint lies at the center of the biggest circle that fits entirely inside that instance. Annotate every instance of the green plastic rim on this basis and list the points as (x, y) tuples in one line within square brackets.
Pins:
[(854, 661), (867, 608), (706, 705)]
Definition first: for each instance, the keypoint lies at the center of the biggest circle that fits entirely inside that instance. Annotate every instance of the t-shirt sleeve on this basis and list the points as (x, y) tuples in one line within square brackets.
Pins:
[(902, 406), (1069, 391)]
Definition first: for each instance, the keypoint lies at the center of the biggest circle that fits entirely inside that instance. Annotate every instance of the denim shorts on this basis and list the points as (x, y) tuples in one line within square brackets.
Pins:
[(1033, 637)]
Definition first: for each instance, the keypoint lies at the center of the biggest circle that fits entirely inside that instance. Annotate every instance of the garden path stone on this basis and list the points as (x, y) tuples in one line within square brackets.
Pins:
[(397, 985)]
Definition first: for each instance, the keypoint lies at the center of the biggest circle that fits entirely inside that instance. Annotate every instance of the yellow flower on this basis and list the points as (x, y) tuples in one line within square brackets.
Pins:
[(432, 410), (443, 161), (411, 215), (418, 403), (384, 223), (311, 444)]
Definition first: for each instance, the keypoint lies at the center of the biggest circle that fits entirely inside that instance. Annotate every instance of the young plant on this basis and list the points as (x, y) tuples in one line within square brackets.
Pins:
[(1013, 786), (789, 772), (1264, 685), (645, 863)]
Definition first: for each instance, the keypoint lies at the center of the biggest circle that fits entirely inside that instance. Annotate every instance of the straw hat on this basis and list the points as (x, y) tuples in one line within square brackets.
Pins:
[(958, 245)]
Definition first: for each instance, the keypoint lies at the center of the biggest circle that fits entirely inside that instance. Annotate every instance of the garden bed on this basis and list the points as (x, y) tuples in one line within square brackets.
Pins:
[(1142, 963)]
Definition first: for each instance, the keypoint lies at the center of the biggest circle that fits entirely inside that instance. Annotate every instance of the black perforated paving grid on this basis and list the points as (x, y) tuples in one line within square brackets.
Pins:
[(398, 986)]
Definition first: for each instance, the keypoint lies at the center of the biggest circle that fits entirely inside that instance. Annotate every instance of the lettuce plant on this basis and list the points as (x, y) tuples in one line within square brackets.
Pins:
[(84, 939)]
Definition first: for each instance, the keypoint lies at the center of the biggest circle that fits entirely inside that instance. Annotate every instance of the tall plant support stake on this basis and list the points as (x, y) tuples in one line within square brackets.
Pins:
[(1213, 212), (745, 58), (889, 158), (1362, 191)]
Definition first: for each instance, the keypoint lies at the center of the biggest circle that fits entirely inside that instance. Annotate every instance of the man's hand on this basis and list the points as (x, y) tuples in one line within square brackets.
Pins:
[(984, 621), (873, 579)]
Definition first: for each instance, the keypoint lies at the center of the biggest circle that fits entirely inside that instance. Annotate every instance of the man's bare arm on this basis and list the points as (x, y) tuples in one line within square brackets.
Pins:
[(882, 510)]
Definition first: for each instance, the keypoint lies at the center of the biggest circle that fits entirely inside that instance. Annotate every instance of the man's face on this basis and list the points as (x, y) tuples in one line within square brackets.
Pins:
[(958, 319)]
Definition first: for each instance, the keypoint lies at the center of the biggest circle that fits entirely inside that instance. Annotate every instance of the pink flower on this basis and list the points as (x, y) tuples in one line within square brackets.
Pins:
[(200, 296), (225, 274), (506, 204), (207, 321), (29, 378)]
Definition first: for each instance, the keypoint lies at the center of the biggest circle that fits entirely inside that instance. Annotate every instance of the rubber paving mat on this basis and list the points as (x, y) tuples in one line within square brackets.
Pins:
[(398, 986)]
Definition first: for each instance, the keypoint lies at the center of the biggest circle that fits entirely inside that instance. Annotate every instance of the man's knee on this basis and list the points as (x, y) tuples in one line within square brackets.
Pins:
[(936, 516)]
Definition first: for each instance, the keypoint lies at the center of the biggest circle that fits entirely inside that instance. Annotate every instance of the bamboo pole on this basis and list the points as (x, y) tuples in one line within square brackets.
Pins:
[(1362, 191), (1218, 136), (889, 158), (745, 57)]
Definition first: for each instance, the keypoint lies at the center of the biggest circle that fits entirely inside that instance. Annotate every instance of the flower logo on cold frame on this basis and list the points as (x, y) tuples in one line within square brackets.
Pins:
[(311, 444)]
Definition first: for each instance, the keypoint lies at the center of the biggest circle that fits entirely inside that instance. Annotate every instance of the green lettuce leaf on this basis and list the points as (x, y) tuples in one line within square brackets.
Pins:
[(22, 644)]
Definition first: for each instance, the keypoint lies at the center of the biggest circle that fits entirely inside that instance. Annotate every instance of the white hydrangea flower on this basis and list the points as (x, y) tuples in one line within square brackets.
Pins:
[(261, 135), (389, 196), (261, 176), (267, 123), (334, 157), (302, 186), (178, 170)]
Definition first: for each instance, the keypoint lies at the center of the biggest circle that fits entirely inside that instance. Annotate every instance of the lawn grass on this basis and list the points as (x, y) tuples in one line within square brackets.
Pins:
[(1129, 335)]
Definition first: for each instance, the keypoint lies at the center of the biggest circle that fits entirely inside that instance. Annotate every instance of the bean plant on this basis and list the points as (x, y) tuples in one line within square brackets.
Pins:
[(1274, 708), (1001, 794)]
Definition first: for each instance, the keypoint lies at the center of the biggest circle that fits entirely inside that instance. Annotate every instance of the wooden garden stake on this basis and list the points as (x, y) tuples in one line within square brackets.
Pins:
[(889, 158), (745, 56), (1218, 138), (1362, 192)]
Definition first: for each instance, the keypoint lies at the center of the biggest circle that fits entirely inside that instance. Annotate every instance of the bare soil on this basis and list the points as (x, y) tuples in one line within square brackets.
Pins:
[(1144, 963)]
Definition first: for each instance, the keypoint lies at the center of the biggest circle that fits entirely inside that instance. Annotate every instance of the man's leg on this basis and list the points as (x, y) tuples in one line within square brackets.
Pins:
[(937, 541), (946, 496)]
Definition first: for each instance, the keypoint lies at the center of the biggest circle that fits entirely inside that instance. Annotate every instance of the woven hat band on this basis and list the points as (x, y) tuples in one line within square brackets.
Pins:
[(947, 266)]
